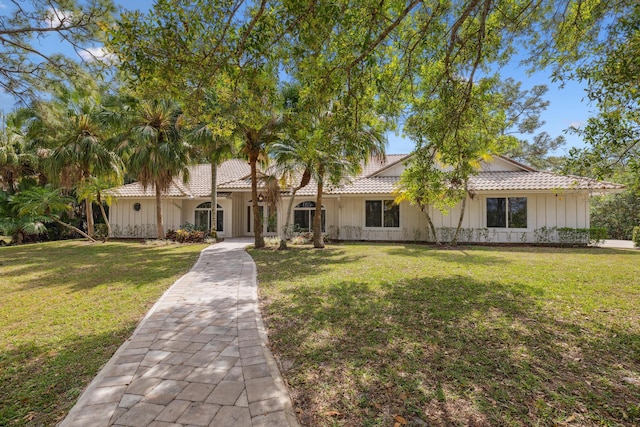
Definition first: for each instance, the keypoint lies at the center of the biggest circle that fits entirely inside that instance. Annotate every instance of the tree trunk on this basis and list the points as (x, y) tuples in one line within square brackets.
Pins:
[(306, 176), (214, 199), (286, 232), (257, 218), (454, 241), (318, 241), (77, 230), (89, 212), (104, 215), (425, 209), (159, 224)]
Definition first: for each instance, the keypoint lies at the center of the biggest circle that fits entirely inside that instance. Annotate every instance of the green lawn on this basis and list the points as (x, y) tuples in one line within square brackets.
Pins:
[(65, 307), (373, 335)]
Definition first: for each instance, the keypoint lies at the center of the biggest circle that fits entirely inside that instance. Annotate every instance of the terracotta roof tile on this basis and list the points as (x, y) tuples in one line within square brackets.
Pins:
[(234, 175), (487, 181)]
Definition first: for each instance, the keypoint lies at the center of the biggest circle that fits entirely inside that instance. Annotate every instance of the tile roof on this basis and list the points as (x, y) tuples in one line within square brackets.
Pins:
[(523, 180), (369, 185), (234, 175)]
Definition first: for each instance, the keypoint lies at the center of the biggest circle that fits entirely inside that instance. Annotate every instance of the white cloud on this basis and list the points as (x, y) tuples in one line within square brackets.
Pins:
[(2, 5), (97, 54), (56, 18)]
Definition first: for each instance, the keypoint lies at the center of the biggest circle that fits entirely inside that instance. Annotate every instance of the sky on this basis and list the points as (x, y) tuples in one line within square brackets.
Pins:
[(567, 105)]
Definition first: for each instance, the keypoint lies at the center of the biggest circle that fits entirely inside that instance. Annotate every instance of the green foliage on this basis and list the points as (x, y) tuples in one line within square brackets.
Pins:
[(154, 147), (187, 233), (613, 135), (523, 110), (618, 213), (26, 67), (102, 231), (636, 236), (18, 160), (20, 226), (570, 236)]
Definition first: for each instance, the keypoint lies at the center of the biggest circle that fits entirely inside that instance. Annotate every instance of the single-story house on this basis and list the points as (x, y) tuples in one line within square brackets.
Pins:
[(507, 202)]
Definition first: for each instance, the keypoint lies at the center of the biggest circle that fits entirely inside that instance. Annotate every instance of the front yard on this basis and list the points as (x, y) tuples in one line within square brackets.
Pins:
[(383, 335), (65, 307)]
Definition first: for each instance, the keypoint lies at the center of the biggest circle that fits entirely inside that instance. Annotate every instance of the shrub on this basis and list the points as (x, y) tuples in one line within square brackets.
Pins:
[(636, 237), (271, 240), (101, 231), (618, 213), (598, 234), (301, 239), (186, 236)]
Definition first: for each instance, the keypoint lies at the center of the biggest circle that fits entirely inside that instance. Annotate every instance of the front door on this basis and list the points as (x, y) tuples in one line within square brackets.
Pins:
[(269, 220)]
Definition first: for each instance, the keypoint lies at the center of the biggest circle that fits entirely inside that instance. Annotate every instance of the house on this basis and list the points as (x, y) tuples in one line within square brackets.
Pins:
[(507, 202)]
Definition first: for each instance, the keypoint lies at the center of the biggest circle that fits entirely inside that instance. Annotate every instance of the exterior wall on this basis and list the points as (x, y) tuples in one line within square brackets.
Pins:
[(395, 170), (345, 217), (543, 210), (126, 222), (497, 164), (330, 204), (350, 224)]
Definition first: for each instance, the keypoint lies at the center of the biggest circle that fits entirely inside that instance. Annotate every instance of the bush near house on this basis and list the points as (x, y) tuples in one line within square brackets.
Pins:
[(185, 236), (636, 237)]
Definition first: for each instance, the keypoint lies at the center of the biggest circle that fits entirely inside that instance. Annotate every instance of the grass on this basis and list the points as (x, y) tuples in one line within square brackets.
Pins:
[(379, 335), (65, 307)]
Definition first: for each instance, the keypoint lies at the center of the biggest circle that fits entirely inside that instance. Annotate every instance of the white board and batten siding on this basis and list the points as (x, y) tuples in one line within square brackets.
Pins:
[(128, 222)]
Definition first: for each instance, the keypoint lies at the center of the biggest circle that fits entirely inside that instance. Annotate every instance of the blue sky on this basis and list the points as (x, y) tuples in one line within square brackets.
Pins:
[(567, 108)]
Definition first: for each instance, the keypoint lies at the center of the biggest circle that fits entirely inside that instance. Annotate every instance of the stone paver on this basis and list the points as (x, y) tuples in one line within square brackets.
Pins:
[(199, 358)]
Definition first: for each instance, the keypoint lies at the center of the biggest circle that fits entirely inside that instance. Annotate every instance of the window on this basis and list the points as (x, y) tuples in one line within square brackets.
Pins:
[(382, 213), (303, 215), (507, 212), (203, 217)]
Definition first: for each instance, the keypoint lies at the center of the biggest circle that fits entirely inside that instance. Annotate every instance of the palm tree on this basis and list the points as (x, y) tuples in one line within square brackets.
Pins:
[(255, 113), (17, 160), (71, 126), (91, 192), (155, 150), (294, 163), (45, 204), (16, 225), (216, 148), (341, 148), (254, 147)]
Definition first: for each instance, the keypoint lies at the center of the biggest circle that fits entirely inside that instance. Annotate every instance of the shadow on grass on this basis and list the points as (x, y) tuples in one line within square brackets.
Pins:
[(302, 261), (40, 383), (83, 266), (418, 250), (457, 254), (453, 351)]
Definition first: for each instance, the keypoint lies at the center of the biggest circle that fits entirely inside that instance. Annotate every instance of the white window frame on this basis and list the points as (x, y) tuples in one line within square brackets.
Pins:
[(219, 209), (308, 210)]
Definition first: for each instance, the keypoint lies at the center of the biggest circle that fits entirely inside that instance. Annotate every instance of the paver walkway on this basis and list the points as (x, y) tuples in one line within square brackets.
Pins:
[(199, 358)]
